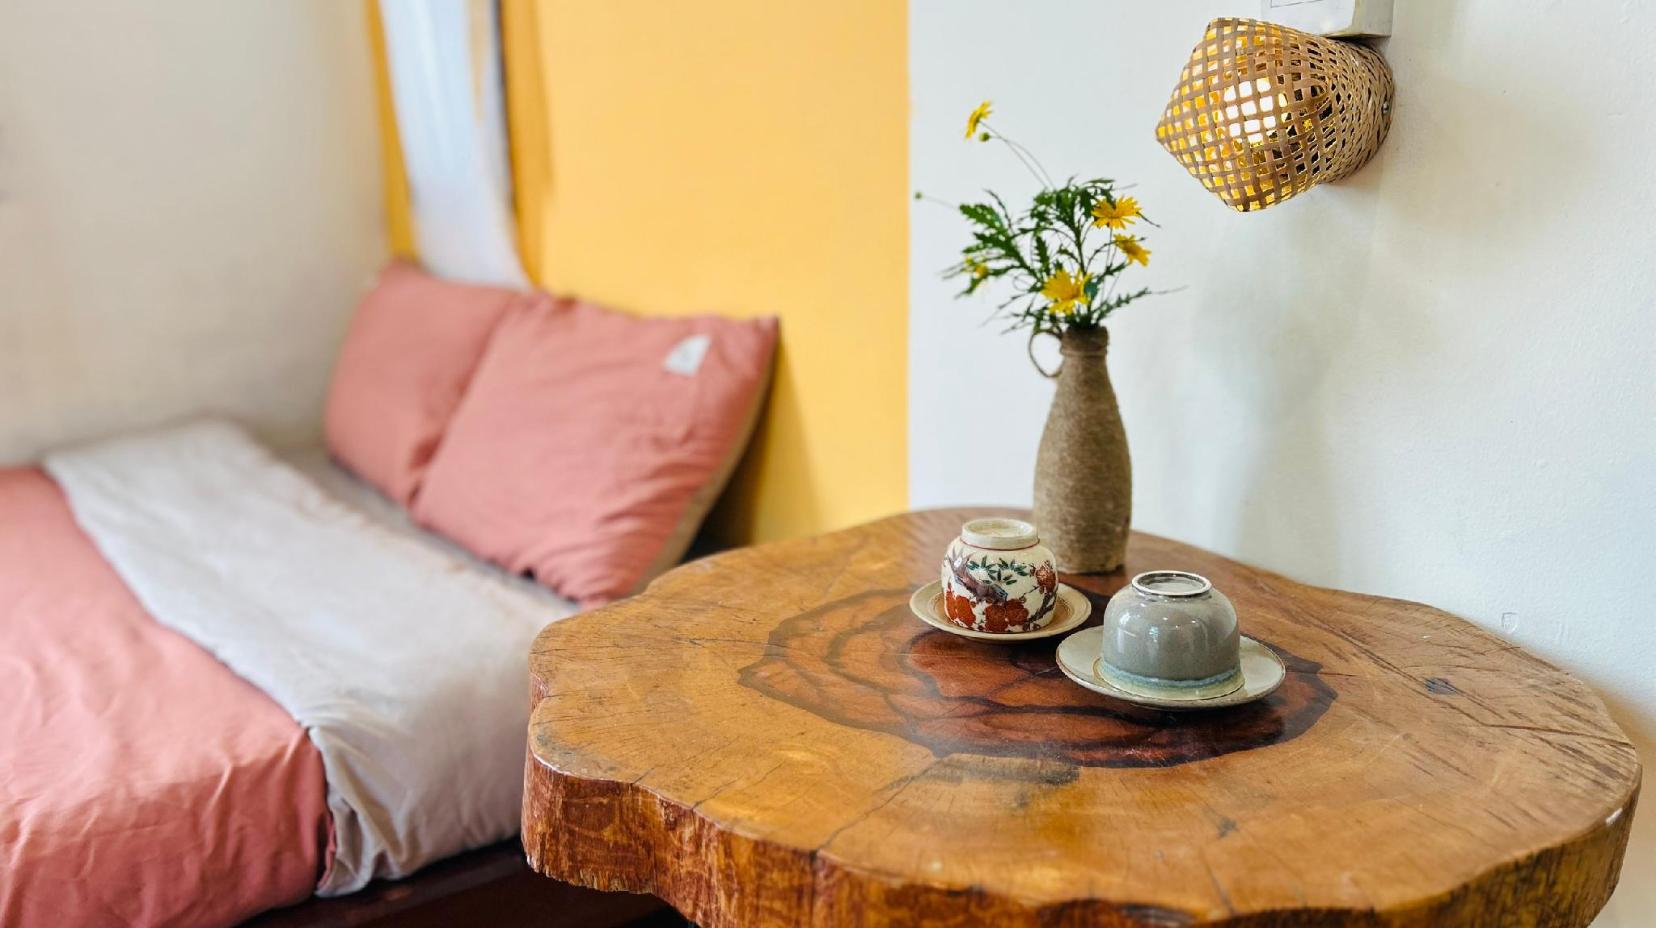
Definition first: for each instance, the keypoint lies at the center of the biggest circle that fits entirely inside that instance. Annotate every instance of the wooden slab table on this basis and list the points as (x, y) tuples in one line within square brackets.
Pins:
[(768, 737)]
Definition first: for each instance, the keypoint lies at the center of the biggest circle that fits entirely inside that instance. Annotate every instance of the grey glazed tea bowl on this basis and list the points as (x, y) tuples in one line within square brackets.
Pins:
[(1170, 634)]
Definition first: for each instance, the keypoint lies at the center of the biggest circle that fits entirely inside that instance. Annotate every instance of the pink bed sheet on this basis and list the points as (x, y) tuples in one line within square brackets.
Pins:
[(141, 781)]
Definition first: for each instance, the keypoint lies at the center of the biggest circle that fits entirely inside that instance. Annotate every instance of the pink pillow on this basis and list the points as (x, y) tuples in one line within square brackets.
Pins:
[(591, 444), (409, 353)]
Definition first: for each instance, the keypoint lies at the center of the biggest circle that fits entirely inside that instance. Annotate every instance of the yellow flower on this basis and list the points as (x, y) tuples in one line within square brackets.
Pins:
[(978, 268), (1132, 250), (978, 115), (1065, 291), (1119, 216)]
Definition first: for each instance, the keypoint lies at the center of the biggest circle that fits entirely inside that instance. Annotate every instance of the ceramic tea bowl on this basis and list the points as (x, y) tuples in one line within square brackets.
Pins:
[(999, 578), (1170, 634)]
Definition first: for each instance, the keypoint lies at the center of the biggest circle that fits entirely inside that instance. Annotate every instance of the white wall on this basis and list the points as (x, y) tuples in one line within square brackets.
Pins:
[(189, 205), (1435, 381)]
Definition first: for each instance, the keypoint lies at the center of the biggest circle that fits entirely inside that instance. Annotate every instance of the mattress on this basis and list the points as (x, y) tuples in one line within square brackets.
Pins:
[(145, 782), (404, 662)]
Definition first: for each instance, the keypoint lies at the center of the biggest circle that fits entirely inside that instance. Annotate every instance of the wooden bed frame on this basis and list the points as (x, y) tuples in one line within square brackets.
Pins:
[(488, 887)]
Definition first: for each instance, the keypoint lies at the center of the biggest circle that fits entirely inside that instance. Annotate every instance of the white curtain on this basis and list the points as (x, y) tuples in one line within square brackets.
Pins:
[(444, 60)]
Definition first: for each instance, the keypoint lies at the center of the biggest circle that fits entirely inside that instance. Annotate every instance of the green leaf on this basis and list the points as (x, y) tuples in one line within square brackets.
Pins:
[(980, 213)]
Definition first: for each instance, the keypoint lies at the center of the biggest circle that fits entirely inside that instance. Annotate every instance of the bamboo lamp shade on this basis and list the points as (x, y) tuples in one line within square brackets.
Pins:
[(1263, 112)]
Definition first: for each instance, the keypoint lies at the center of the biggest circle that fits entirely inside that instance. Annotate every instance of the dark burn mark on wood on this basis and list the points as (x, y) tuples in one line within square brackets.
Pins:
[(1440, 686), (864, 661)]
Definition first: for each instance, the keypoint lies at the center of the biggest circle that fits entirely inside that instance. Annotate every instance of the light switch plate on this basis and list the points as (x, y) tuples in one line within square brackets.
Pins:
[(1343, 18)]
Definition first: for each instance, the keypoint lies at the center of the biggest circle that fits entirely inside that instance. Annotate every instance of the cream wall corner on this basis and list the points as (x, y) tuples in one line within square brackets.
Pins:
[(189, 208)]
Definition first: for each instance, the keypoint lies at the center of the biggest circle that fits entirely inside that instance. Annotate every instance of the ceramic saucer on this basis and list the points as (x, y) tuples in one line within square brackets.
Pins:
[(1262, 673), (1072, 609)]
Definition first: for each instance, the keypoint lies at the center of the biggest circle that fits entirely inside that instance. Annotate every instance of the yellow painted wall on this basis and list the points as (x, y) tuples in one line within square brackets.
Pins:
[(743, 157)]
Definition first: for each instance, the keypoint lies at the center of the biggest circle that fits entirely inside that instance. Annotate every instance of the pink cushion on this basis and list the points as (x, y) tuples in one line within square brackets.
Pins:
[(410, 351), (578, 456)]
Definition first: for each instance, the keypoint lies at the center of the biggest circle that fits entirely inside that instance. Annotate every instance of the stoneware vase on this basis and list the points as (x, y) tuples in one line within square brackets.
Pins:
[(1083, 476), (999, 578)]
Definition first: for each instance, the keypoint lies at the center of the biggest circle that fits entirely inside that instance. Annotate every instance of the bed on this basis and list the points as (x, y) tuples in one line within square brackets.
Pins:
[(149, 776), (237, 681)]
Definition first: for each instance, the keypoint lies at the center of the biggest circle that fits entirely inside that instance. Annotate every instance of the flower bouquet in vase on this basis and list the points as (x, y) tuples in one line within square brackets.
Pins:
[(1058, 265)]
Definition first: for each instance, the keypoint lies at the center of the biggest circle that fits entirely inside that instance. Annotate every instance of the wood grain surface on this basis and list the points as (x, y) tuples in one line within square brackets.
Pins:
[(768, 737)]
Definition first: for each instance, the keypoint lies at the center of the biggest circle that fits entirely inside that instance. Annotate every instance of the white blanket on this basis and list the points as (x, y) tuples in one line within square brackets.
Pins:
[(407, 667)]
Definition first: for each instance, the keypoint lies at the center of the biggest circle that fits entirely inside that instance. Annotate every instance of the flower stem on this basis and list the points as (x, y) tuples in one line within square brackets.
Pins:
[(1030, 162)]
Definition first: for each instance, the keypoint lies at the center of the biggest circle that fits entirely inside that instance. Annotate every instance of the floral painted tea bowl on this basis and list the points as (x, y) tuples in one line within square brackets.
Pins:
[(999, 578)]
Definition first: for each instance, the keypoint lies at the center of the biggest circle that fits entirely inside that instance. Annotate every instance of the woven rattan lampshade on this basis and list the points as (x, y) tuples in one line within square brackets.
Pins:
[(1263, 112)]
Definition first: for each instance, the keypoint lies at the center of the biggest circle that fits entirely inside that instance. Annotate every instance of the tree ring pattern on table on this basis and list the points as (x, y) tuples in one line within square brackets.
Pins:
[(865, 662)]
